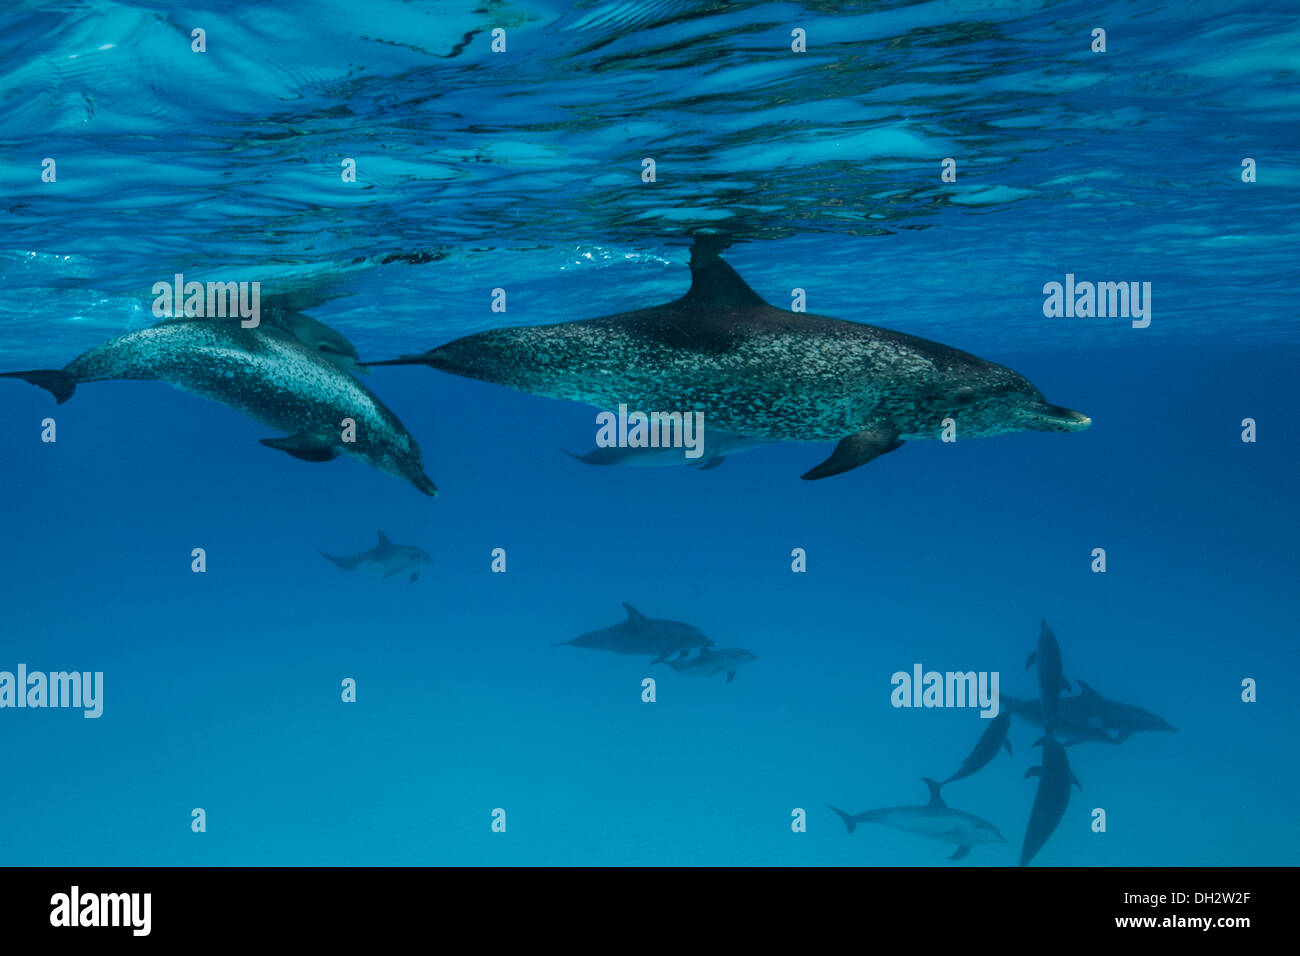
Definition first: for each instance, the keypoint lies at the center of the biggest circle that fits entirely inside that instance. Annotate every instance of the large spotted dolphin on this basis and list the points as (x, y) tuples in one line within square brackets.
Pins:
[(759, 371), (265, 372)]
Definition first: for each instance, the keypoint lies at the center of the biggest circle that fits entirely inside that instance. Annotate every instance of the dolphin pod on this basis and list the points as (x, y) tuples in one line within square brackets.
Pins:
[(1086, 716), (760, 372)]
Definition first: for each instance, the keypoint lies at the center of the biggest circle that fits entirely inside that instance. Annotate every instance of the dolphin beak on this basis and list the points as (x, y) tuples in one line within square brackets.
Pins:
[(425, 484), (1056, 418)]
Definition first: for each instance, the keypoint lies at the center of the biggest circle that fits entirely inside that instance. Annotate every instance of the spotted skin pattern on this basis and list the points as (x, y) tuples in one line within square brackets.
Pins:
[(268, 375)]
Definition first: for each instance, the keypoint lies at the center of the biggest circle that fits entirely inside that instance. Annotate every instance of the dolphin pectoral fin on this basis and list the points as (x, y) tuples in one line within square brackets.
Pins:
[(1029, 661), (961, 852), (713, 463), (54, 380), (392, 572), (1075, 781), (1065, 684), (1006, 742), (305, 446), (683, 653), (731, 675), (1033, 772), (415, 576), (857, 449)]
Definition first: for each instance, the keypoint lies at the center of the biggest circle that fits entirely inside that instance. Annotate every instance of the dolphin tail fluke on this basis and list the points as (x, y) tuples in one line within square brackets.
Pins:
[(936, 799), (54, 380), (849, 822)]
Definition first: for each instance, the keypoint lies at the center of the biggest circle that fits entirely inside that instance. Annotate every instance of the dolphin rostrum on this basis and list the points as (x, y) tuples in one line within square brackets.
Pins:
[(1050, 679), (991, 741), (266, 373), (755, 370), (1089, 716), (384, 559), (708, 663), (1054, 779), (936, 820), (717, 446), (643, 635)]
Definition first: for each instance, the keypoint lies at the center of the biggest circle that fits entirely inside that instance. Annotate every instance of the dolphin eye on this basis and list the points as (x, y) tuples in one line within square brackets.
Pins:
[(964, 395)]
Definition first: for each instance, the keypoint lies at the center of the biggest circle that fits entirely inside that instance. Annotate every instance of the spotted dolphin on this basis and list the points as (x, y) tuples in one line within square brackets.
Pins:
[(709, 662), (643, 635), (1053, 795), (936, 820), (991, 741), (265, 373), (1047, 657), (384, 559), (1087, 716), (756, 370)]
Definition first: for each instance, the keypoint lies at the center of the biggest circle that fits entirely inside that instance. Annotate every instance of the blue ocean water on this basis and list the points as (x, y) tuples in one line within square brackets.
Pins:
[(522, 170)]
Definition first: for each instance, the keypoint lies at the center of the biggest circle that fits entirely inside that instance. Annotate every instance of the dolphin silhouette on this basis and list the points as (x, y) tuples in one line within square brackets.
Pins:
[(717, 446), (1051, 799), (384, 559), (708, 663), (991, 741), (755, 370), (1050, 680), (642, 635)]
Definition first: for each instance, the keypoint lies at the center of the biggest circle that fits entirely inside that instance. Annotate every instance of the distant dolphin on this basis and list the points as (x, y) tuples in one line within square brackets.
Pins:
[(935, 820), (314, 334), (264, 372), (756, 370), (717, 446), (1050, 679), (641, 635), (1071, 727), (991, 741), (1054, 779), (384, 559), (709, 663), (1089, 716)]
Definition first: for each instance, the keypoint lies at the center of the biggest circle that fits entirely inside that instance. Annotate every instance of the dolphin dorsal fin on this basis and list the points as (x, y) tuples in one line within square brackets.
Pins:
[(383, 540), (1085, 689), (716, 285), (935, 799), (632, 613)]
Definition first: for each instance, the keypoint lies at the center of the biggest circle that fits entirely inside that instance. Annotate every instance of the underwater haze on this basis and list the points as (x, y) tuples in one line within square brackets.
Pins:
[(928, 167)]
